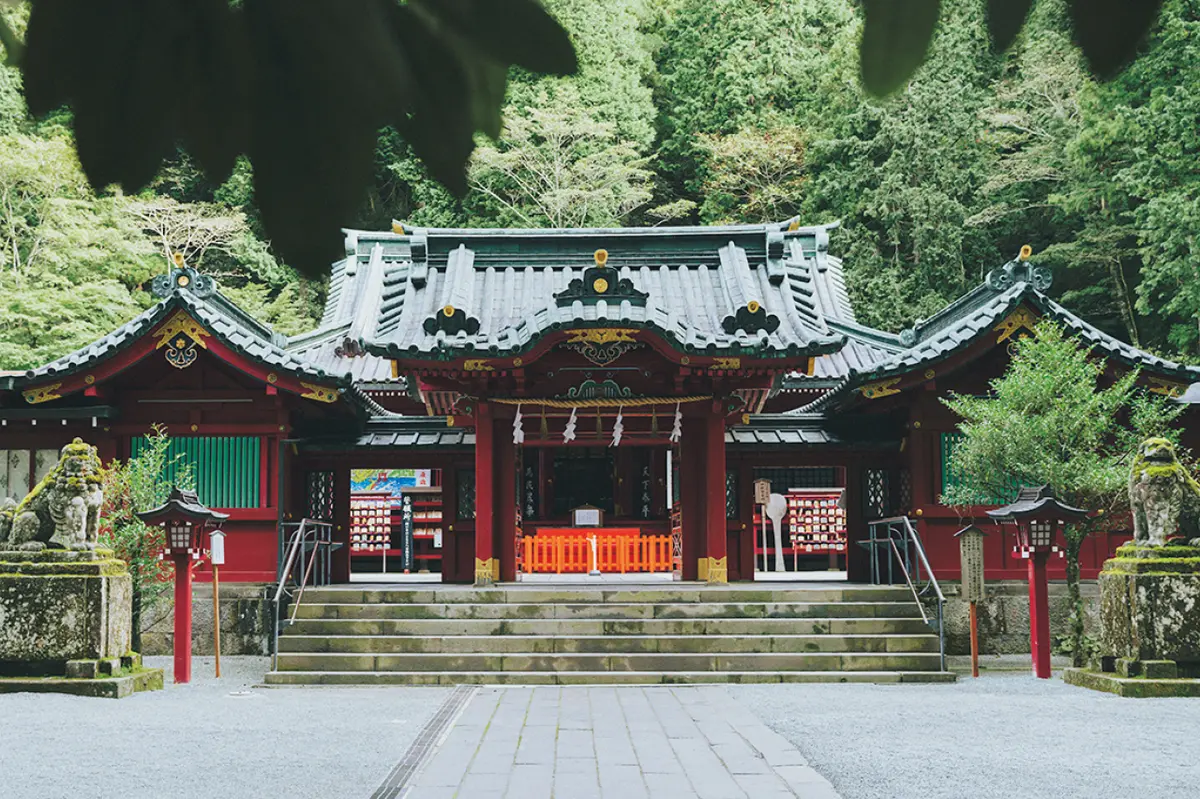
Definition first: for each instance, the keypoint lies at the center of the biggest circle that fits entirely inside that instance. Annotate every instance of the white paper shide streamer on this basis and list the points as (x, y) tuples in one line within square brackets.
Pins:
[(677, 428), (569, 431), (618, 428), (518, 429)]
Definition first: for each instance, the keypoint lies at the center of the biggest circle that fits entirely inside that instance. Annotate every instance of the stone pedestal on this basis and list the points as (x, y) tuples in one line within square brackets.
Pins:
[(1150, 612), (59, 607)]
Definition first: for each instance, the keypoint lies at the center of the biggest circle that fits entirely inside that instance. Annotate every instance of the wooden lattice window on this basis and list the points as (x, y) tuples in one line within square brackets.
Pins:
[(875, 493), (465, 481), (319, 497), (731, 494), (226, 469)]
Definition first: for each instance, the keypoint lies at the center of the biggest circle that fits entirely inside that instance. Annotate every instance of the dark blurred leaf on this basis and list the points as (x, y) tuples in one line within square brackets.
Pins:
[(326, 78), (896, 35), (440, 128), (57, 51), (516, 32), (214, 61), (1004, 20), (125, 102), (1110, 31)]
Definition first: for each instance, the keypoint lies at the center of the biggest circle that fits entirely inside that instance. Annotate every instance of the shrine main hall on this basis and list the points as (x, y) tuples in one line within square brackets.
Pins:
[(481, 406)]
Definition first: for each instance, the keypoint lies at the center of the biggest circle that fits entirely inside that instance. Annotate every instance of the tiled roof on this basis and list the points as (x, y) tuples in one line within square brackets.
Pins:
[(215, 314), (447, 293), (978, 313)]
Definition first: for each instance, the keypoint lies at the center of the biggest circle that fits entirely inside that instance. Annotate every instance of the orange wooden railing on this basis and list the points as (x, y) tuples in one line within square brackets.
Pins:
[(568, 554)]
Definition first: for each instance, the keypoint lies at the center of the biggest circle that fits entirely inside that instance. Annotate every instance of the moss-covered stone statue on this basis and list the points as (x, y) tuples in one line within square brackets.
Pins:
[(1150, 592), (63, 510), (1159, 488)]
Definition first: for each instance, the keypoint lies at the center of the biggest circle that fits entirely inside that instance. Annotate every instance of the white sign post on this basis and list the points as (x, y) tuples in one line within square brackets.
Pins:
[(216, 555), (776, 508)]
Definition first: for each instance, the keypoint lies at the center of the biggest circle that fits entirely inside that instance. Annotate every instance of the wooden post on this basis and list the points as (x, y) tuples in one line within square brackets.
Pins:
[(1039, 615), (714, 500), (217, 616), (485, 506), (183, 617), (974, 641)]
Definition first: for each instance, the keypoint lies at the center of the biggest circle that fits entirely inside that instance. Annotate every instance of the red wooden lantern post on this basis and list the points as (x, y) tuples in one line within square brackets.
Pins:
[(1038, 516), (186, 521)]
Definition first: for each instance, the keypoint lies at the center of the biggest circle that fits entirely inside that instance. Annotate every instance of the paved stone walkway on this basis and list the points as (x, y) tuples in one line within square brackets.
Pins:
[(619, 743)]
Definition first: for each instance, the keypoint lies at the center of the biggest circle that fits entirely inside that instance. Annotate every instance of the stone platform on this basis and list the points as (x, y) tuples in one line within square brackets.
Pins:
[(1136, 687), (65, 624)]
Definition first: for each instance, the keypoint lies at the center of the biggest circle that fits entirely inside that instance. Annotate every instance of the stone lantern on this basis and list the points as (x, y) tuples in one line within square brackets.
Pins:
[(186, 521), (1038, 516)]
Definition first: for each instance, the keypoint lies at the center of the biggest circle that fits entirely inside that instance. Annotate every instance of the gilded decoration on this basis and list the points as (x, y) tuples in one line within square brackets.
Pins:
[(181, 335), (713, 570), (724, 364), (487, 571), (319, 393), (1020, 319), (591, 389), (477, 365), (600, 282), (883, 388), (42, 393), (1167, 388), (602, 345)]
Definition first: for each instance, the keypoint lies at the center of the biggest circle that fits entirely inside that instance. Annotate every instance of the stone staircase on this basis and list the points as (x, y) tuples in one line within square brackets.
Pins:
[(681, 633)]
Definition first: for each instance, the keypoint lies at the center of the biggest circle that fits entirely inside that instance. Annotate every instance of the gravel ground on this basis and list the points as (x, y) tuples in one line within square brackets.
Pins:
[(1010, 737), (209, 739)]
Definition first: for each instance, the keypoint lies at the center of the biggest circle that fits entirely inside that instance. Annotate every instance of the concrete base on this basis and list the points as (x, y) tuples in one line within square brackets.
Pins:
[(119, 687), (1136, 687)]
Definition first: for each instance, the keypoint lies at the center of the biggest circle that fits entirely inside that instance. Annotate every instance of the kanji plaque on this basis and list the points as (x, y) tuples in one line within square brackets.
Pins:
[(970, 550)]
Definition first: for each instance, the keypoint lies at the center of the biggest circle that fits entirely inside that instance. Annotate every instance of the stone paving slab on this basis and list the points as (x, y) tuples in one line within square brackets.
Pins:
[(605, 742)]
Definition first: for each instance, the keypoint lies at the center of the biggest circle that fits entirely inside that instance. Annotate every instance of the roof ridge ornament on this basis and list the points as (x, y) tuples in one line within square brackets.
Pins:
[(601, 282), (182, 276), (1019, 270)]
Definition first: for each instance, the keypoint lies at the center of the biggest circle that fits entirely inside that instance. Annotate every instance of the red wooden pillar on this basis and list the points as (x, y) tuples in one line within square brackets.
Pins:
[(858, 560), (692, 451), (714, 566), (504, 467), (1039, 615), (183, 618), (340, 564), (486, 566)]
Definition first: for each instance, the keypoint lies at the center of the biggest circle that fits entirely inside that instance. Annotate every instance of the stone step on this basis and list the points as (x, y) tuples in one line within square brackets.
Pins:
[(598, 627), (546, 644), (283, 678), (640, 662), (608, 610), (654, 595)]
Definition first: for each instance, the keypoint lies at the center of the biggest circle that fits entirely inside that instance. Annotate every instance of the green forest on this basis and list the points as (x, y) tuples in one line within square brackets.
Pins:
[(707, 111)]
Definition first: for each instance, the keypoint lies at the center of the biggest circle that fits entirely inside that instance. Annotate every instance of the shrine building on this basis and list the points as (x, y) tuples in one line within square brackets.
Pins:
[(480, 406)]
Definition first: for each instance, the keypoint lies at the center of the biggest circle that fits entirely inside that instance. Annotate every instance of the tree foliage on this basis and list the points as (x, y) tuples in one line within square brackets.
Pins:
[(132, 487), (706, 111), (1056, 418)]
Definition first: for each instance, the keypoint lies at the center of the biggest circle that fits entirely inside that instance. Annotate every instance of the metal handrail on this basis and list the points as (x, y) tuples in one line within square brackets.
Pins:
[(902, 527), (304, 529)]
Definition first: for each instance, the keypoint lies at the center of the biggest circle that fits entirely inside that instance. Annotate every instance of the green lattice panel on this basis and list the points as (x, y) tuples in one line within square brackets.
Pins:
[(225, 468)]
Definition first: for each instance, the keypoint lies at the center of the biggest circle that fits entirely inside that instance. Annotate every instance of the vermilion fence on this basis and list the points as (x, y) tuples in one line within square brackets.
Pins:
[(559, 554)]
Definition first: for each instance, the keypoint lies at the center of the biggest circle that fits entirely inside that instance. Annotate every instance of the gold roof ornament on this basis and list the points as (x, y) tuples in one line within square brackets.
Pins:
[(1026, 251), (601, 257)]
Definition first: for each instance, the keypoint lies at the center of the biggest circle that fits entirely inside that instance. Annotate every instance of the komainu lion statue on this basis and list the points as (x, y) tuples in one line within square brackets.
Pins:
[(63, 510), (1159, 485)]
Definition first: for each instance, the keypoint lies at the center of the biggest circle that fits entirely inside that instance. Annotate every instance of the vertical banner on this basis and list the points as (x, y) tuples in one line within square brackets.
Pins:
[(406, 533)]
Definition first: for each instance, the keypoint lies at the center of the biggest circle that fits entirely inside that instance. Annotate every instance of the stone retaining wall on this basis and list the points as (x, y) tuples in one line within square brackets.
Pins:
[(1004, 617), (246, 618)]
